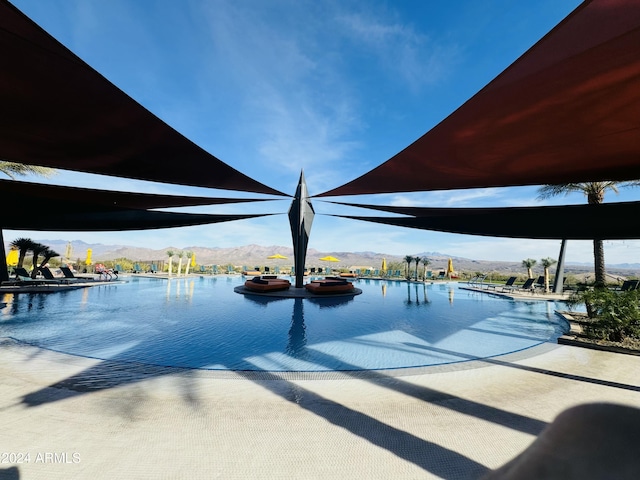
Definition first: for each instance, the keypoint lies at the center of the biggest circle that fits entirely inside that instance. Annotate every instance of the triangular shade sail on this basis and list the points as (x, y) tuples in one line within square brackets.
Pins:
[(59, 112), (564, 112), (12, 192), (107, 221), (610, 221)]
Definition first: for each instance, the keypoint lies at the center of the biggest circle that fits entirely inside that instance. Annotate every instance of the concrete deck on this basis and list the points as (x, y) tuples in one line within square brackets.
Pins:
[(80, 418)]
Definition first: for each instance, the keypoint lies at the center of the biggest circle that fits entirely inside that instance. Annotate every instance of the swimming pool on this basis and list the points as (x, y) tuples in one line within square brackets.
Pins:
[(201, 323)]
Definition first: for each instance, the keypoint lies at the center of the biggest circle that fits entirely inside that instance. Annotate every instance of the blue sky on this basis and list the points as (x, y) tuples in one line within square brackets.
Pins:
[(331, 87)]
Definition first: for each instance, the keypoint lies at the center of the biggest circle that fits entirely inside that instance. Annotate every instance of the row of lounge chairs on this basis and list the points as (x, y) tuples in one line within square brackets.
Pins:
[(530, 285), (21, 275)]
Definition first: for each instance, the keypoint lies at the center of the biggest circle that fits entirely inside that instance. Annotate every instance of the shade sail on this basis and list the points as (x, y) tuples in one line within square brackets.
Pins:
[(566, 111), (59, 112), (610, 221), (27, 192), (108, 221)]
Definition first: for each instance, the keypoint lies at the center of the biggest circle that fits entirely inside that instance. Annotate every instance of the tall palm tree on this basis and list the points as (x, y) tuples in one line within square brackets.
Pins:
[(180, 255), (546, 263), (24, 246), (12, 170), (36, 249), (417, 260), (425, 263), (529, 263), (189, 257), (170, 253), (594, 192), (408, 259)]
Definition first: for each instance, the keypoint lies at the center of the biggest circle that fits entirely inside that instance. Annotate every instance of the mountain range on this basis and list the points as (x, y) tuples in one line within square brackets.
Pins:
[(256, 255)]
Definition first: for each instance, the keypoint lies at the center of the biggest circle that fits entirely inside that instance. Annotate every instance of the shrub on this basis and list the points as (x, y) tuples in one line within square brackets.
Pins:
[(613, 315)]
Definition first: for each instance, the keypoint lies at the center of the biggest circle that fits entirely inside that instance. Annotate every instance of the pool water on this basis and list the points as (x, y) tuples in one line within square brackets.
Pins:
[(201, 323)]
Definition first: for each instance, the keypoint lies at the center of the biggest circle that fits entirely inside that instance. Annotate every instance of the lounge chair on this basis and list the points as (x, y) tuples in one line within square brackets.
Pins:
[(526, 286), (21, 272), (47, 273), (66, 271), (628, 285), (508, 284)]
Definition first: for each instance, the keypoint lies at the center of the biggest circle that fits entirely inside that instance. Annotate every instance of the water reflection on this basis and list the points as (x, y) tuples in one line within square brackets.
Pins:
[(419, 294), (297, 345)]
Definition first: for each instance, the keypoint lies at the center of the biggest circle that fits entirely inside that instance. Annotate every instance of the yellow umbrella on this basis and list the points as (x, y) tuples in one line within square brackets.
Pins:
[(384, 264), (12, 258), (329, 258), (450, 267), (88, 260), (277, 256), (193, 259)]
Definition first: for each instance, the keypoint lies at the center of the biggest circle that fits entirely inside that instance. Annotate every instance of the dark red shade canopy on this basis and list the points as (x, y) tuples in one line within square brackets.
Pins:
[(12, 192), (59, 112), (567, 111), (610, 221)]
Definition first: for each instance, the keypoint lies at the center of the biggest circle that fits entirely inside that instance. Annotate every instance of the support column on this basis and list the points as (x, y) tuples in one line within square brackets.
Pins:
[(301, 215), (558, 283), (4, 271)]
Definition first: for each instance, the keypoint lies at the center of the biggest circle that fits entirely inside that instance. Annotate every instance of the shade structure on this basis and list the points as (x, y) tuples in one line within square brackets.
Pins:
[(277, 256), (329, 258), (12, 192), (384, 265), (59, 112), (565, 112), (607, 221), (114, 220), (88, 260)]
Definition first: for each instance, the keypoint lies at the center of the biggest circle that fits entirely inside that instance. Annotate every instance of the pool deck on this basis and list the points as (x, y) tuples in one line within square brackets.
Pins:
[(87, 419)]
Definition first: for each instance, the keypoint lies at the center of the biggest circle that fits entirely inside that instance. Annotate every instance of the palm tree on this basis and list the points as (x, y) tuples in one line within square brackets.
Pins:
[(189, 256), (23, 245), (48, 255), (594, 192), (529, 263), (425, 262), (36, 249), (180, 255), (546, 263), (417, 260), (408, 259), (170, 253), (12, 170)]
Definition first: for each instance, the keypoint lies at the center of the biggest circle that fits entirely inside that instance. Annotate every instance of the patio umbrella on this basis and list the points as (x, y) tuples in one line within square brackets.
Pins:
[(68, 251), (329, 258), (193, 259), (449, 268), (384, 265), (12, 258), (88, 260), (277, 256)]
